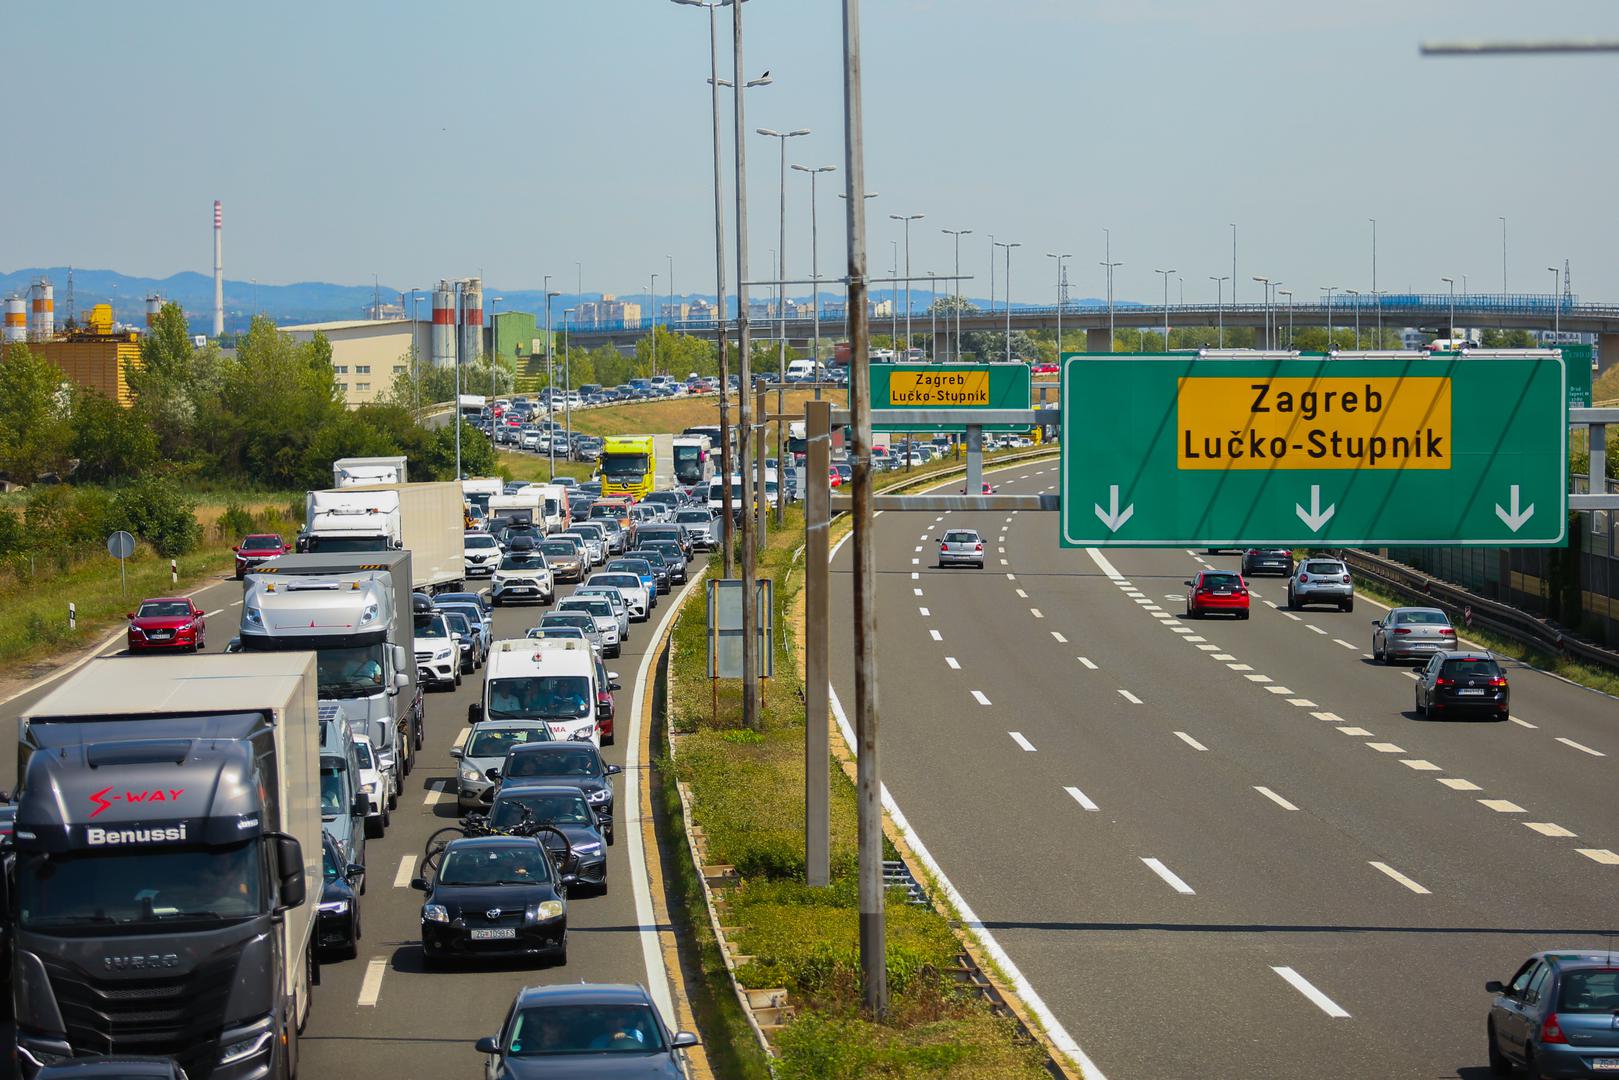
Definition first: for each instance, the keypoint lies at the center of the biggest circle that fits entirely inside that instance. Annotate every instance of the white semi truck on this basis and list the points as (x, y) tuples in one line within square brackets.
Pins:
[(365, 471), (167, 869), (425, 519)]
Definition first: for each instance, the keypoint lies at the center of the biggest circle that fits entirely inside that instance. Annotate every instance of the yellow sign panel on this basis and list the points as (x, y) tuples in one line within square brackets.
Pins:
[(1332, 423), (938, 388)]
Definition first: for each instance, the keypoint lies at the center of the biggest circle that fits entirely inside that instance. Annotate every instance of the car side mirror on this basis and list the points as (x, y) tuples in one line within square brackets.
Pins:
[(488, 1045), (361, 807), (474, 713), (615, 685), (236, 549), (354, 872), (419, 884), (683, 1039), (290, 858), (402, 659), (614, 770), (1188, 581), (129, 615), (401, 680), (1377, 622), (1495, 986), (456, 752), (612, 677)]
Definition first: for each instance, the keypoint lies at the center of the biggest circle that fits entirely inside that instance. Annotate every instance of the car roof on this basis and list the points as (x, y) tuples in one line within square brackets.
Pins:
[(1466, 654), (462, 842), (1574, 958), (583, 994), (551, 747)]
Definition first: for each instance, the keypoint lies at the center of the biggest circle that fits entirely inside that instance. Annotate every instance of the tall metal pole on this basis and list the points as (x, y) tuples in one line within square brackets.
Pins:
[(893, 306), (1234, 265), (1356, 294), (567, 371), (1269, 342), (933, 311), (1329, 291), (992, 246), (1219, 304), (781, 318), (1503, 255), (817, 643), (1452, 283), (455, 406), (1060, 299), (550, 373), (873, 935), (1166, 274), (1377, 301), (956, 235), (1008, 246), (750, 645), (652, 302), (719, 289), (907, 219), (1557, 304)]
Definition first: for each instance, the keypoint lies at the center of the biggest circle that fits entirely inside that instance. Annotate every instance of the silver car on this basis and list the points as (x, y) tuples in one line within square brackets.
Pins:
[(1411, 633), (584, 620), (699, 525), (615, 600), (1321, 581), (598, 608), (960, 547), (483, 753)]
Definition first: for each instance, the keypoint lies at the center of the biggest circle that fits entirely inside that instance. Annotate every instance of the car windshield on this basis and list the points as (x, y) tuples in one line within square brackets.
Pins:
[(1482, 667), (599, 608), (605, 513), (353, 671), (1426, 618), (560, 809), (585, 1029), (508, 864), (961, 538), (163, 609), (540, 696), (687, 517), (651, 556), (472, 613), (562, 618), (624, 466), (432, 627), (362, 754), (559, 550), (623, 581), (262, 543), (1221, 581), (494, 742), (1324, 568), (561, 760), (637, 567), (332, 785), (523, 560), (146, 883), (1594, 990), (458, 623), (481, 542)]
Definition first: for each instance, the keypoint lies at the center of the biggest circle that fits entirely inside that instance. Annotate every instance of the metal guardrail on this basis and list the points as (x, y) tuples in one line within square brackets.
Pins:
[(1469, 610)]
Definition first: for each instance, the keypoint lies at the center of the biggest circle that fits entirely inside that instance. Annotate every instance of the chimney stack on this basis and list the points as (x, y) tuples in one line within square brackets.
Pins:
[(219, 269)]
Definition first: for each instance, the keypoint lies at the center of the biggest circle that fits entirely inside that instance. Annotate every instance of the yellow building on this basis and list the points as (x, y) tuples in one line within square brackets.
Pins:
[(100, 362), (367, 353)]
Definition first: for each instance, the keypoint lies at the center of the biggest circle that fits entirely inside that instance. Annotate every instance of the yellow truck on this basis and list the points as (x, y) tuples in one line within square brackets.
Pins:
[(636, 465)]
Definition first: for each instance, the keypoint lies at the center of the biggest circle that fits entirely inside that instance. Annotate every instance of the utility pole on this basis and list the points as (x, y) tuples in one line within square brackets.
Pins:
[(869, 812), (1219, 304), (1008, 247), (750, 613), (957, 234)]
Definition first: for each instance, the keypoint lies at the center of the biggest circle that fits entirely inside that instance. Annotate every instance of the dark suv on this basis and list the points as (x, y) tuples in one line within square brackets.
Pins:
[(1460, 681), (1257, 561)]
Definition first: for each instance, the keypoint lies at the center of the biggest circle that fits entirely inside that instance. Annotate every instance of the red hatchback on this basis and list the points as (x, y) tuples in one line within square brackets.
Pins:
[(167, 622), (258, 548), (1216, 590)]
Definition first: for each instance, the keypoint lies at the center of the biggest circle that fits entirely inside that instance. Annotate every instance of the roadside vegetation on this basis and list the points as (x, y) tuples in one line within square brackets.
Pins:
[(746, 790)]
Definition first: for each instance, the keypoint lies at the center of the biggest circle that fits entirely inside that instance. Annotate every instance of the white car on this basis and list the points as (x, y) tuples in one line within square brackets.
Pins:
[(438, 652), (614, 598), (523, 575), (633, 590), (377, 785), (601, 610), (482, 554), (592, 543)]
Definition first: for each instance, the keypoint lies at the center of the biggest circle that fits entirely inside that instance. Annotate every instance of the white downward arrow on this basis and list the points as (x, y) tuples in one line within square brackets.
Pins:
[(1514, 519), (1113, 517), (1315, 517)]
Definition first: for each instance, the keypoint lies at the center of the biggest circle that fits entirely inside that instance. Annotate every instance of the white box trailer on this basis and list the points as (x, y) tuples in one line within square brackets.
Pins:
[(367, 471), (426, 519)]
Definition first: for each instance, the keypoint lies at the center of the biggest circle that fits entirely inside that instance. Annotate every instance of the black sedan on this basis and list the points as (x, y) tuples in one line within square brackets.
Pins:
[(585, 1030), (1277, 561), (338, 924), (1456, 682), (563, 807), (662, 569), (494, 896), (578, 764), (672, 554)]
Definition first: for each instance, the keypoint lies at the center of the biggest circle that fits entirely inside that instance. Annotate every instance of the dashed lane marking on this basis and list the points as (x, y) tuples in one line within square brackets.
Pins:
[(1224, 656), (1521, 722), (952, 663), (1303, 703), (1317, 629), (978, 696), (1057, 636), (936, 635), (1240, 667), (407, 870), (1131, 698), (1501, 806), (436, 791), (371, 985), (1316, 997), (1279, 691), (1581, 747), (1601, 855), (1385, 748), (1036, 613), (1548, 828), (918, 592), (1257, 678), (1275, 798), (1419, 764), (1345, 644), (924, 612), (1358, 732), (1205, 648), (1292, 616), (1017, 737), (1189, 741), (1170, 877), (211, 614), (1401, 878), (1087, 662), (1021, 593), (1329, 717), (1081, 798), (1456, 783)]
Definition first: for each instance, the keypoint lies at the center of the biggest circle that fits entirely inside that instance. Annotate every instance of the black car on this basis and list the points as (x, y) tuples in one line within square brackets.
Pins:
[(563, 807), (1267, 561), (667, 532), (494, 896), (578, 764), (672, 552), (1454, 682), (113, 1067), (585, 1029), (662, 574), (338, 925)]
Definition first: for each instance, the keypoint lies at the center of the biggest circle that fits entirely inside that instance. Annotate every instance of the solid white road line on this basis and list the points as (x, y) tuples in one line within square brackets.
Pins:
[(1081, 798), (1401, 878), (1501, 806), (1317, 998), (1105, 566), (1087, 662), (1601, 855), (1581, 747), (1456, 783), (1169, 876), (1017, 737), (371, 985), (1189, 741), (935, 635), (978, 696), (1057, 636), (951, 662), (1131, 698), (1547, 828), (1521, 722), (407, 870), (1275, 798)]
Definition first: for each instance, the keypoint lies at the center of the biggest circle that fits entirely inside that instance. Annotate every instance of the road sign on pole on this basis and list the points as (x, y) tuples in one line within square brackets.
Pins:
[(121, 545), (1353, 449), (948, 386)]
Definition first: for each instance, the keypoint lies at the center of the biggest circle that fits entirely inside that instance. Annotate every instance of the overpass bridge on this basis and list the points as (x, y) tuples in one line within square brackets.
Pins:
[(1474, 312)]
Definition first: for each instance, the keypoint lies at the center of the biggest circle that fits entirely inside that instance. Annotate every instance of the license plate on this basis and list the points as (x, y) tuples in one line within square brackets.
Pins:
[(161, 635), (495, 934), (1605, 1064), (1471, 693)]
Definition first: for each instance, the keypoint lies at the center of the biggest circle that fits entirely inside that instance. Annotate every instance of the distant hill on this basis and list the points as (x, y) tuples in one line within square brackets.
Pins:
[(320, 301)]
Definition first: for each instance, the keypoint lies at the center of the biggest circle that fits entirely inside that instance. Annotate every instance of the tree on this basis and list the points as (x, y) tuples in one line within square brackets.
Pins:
[(36, 433), (1509, 339), (110, 441), (163, 383), (677, 354)]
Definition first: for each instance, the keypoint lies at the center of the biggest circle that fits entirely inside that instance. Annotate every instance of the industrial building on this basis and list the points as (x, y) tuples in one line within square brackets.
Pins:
[(367, 354), (98, 355)]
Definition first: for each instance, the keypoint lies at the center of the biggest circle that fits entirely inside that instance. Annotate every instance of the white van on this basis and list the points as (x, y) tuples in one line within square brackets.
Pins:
[(547, 679)]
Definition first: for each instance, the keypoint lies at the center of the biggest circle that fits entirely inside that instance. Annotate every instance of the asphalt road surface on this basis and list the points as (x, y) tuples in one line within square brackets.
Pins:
[(1222, 848), (381, 1015)]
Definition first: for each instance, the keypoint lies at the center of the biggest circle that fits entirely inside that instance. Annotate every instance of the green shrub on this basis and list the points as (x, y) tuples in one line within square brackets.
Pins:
[(965, 1043), (155, 510), (235, 522), (60, 517)]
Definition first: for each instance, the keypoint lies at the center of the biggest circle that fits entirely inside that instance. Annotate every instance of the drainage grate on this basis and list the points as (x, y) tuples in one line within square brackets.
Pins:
[(896, 875)]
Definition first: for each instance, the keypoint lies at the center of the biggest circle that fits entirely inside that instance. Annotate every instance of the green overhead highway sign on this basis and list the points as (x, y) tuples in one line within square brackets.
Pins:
[(1226, 451), (949, 386)]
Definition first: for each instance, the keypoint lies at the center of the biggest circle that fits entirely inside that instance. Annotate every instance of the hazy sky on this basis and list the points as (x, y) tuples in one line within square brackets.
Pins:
[(427, 140)]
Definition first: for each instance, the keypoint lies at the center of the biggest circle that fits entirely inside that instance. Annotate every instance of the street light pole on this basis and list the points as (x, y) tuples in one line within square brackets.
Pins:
[(1059, 258), (1289, 294), (957, 234), (1503, 254), (907, 219), (1557, 303), (1166, 274), (781, 137), (1452, 283), (1330, 289), (1356, 294), (652, 302), (567, 370), (1219, 304), (550, 373), (1377, 300), (1270, 341), (1008, 246), (494, 331), (1109, 265), (815, 265), (1233, 225)]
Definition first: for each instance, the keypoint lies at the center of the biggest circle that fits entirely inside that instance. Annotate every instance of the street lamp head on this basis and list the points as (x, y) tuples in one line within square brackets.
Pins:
[(1448, 281), (767, 131), (799, 131)]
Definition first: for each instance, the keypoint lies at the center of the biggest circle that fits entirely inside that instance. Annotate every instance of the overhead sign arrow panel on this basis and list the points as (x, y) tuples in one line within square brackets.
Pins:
[(1369, 449)]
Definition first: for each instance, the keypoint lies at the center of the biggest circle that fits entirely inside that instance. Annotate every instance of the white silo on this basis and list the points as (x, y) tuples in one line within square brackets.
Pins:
[(16, 324), (154, 304), (471, 320), (444, 325), (42, 324)]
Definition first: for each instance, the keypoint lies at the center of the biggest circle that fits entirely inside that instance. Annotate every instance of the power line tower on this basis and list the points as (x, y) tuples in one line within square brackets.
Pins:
[(1568, 288)]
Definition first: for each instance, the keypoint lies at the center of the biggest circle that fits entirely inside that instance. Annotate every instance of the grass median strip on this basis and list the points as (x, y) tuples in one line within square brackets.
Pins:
[(745, 794)]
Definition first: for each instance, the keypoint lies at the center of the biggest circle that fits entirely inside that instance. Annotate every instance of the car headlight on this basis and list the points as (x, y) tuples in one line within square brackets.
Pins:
[(592, 848), (369, 614), (435, 913), (549, 909), (442, 654), (498, 580), (597, 796), (334, 907), (248, 1042), (137, 630), (470, 774), (253, 616)]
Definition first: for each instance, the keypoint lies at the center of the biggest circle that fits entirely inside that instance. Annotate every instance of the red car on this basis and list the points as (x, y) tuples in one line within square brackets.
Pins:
[(1043, 369), (834, 478), (606, 708), (1216, 590), (257, 548), (167, 622)]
